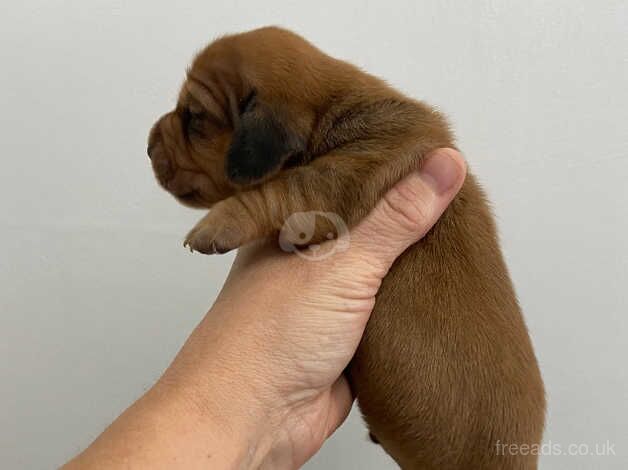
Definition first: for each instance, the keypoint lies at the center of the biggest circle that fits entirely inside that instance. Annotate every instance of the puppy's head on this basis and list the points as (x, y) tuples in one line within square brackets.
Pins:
[(245, 112)]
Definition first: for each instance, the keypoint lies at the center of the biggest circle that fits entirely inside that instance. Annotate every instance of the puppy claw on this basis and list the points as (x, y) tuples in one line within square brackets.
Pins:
[(186, 244), (209, 240)]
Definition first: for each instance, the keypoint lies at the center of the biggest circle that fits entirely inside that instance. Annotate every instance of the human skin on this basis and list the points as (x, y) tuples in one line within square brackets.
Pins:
[(259, 383)]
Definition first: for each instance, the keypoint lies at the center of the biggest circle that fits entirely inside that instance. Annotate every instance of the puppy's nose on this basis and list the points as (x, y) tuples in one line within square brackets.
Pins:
[(153, 138), (149, 149)]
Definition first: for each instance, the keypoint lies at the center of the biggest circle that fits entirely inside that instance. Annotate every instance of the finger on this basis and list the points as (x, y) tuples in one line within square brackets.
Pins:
[(410, 209), (341, 403)]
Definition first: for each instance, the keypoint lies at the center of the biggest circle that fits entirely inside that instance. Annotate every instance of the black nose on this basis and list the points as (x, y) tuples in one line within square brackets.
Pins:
[(154, 136)]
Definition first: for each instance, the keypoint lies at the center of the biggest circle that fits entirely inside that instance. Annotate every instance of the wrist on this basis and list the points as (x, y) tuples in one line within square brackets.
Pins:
[(170, 427), (245, 431), (227, 377), (206, 430), (235, 412)]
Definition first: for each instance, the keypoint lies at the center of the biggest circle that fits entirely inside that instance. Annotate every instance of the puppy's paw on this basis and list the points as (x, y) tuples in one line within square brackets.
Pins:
[(214, 235)]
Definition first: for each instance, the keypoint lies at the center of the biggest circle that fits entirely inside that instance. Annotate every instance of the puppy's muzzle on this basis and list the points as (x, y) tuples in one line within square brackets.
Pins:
[(162, 165)]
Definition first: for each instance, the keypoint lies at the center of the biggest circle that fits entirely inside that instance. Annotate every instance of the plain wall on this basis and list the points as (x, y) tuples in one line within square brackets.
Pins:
[(97, 294)]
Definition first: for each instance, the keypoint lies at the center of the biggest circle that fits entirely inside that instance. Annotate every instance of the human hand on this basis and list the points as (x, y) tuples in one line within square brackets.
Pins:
[(259, 383), (284, 328)]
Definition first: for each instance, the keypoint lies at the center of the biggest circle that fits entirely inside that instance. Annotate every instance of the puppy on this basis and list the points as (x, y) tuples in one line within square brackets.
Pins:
[(266, 126)]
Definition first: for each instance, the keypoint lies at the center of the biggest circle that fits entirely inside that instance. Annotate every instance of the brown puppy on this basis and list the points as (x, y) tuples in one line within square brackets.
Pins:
[(266, 126)]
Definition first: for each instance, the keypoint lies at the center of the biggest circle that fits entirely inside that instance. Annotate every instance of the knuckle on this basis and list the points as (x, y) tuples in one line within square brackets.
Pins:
[(409, 206)]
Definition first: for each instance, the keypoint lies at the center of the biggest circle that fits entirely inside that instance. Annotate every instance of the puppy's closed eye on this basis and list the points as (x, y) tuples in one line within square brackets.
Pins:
[(247, 103), (193, 121)]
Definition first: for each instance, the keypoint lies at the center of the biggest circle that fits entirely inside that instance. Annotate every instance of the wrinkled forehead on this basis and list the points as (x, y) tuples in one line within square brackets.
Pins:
[(200, 95), (188, 97)]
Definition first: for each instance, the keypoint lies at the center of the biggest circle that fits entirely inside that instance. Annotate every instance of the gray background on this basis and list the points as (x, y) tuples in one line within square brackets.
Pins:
[(97, 293)]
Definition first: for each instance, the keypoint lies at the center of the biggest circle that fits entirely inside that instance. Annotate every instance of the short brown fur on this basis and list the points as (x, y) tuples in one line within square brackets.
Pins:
[(445, 370)]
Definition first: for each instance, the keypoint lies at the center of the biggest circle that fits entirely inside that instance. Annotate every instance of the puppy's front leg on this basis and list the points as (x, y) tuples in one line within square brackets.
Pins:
[(227, 226), (348, 185)]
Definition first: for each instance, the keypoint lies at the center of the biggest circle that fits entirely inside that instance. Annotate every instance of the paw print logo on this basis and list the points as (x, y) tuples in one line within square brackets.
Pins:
[(299, 229)]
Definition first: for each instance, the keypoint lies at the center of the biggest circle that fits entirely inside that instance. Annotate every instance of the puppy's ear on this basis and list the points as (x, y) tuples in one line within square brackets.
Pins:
[(262, 142)]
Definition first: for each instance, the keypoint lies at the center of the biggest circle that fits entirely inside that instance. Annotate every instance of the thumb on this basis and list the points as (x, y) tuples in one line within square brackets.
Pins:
[(410, 209)]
